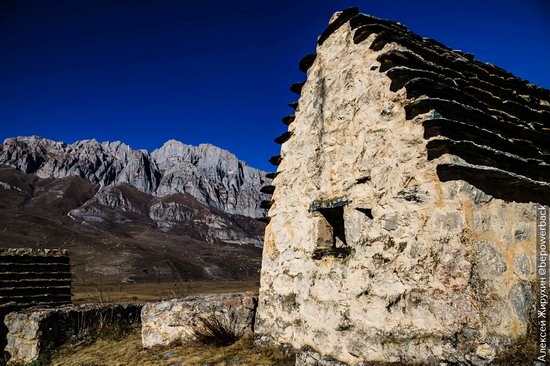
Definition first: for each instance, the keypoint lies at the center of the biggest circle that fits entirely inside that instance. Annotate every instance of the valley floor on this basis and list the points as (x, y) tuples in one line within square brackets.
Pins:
[(128, 351), (139, 293)]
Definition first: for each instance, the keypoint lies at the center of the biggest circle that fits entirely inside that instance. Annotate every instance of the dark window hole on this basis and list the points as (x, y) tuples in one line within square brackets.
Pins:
[(366, 211), (335, 218)]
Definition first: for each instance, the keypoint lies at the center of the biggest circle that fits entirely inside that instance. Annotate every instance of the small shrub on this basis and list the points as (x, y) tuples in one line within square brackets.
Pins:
[(106, 324), (218, 330)]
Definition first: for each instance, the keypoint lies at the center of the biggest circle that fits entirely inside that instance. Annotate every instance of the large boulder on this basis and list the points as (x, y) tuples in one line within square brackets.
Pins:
[(172, 321)]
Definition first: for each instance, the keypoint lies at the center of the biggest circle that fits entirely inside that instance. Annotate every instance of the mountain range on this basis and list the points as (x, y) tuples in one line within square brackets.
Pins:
[(181, 212)]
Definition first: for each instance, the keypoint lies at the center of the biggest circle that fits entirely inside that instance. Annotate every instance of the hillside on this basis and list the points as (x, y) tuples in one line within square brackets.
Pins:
[(120, 222)]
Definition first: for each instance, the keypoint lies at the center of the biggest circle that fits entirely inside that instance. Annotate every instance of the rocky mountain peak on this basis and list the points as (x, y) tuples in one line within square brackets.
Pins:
[(212, 175), (209, 154)]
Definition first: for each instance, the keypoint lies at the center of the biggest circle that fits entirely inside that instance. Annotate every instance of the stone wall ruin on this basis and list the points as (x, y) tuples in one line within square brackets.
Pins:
[(32, 277), (36, 333), (402, 219)]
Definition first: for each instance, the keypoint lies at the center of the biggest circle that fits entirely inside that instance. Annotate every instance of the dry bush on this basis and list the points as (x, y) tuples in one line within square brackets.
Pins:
[(218, 329), (107, 324)]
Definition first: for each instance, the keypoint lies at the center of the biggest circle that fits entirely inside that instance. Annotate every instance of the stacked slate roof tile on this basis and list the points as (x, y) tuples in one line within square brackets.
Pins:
[(497, 123), (32, 277)]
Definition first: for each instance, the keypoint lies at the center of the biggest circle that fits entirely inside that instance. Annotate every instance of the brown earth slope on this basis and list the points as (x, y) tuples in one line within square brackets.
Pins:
[(119, 234)]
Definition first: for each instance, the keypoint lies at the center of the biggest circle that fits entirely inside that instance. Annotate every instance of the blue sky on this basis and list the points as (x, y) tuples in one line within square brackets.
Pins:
[(211, 71)]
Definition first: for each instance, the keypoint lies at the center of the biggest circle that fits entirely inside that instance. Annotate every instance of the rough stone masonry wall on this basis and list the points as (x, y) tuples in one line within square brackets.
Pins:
[(35, 333), (402, 224), (30, 277)]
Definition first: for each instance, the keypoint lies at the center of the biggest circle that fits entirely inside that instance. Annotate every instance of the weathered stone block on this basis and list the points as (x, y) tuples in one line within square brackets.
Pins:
[(172, 321), (34, 333)]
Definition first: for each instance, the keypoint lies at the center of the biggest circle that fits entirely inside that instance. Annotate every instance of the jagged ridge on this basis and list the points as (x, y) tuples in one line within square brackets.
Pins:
[(212, 175)]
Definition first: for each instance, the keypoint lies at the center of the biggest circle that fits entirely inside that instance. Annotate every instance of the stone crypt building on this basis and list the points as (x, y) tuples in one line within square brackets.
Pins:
[(402, 219)]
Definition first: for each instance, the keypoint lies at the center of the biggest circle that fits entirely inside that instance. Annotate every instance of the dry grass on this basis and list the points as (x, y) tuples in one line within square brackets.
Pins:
[(128, 351), (218, 330), (139, 293)]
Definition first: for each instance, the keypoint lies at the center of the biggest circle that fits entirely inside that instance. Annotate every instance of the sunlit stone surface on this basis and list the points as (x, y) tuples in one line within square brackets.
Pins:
[(378, 248)]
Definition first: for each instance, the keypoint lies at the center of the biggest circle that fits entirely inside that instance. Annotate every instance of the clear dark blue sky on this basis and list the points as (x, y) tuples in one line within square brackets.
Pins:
[(211, 71)]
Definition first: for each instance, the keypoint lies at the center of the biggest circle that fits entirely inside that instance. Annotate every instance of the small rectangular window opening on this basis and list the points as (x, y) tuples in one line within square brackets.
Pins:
[(335, 218), (332, 232)]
